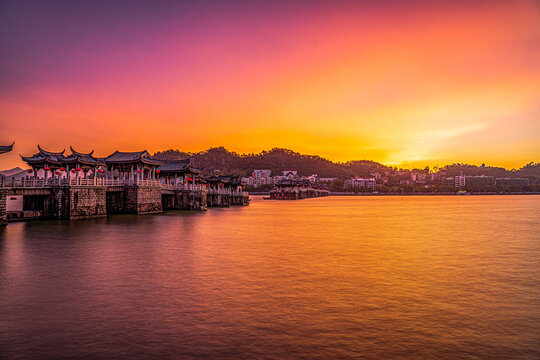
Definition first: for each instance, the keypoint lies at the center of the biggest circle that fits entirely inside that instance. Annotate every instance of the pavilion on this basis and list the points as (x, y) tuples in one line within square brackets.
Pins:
[(133, 166), (179, 171), (60, 165), (225, 182)]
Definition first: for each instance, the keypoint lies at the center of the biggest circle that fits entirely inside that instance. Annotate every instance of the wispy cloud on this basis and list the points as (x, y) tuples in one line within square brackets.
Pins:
[(424, 144)]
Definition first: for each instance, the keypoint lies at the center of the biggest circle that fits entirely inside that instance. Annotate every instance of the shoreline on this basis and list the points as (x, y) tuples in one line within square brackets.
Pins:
[(411, 194), (430, 194)]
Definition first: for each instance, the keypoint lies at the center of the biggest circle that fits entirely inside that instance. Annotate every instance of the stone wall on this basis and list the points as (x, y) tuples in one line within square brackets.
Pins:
[(85, 202), (190, 200), (142, 200), (219, 200), (3, 214), (240, 200)]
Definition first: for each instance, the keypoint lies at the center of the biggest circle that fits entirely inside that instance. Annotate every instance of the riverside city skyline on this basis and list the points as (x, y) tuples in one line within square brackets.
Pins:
[(400, 83)]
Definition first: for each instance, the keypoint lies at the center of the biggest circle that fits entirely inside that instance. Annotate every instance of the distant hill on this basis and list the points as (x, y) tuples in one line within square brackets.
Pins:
[(531, 169), (276, 160), (279, 159), (11, 172)]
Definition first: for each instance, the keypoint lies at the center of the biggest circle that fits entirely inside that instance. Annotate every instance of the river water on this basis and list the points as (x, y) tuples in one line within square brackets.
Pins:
[(411, 277)]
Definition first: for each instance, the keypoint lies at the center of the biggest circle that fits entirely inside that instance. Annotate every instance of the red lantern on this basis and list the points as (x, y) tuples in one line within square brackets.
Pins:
[(57, 172), (73, 171), (78, 169), (47, 168), (139, 171), (157, 171), (220, 185), (196, 179), (144, 178), (101, 171), (243, 187), (30, 171), (62, 169)]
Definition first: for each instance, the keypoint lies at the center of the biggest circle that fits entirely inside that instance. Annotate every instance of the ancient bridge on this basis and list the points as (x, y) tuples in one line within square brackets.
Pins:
[(80, 198), (80, 185)]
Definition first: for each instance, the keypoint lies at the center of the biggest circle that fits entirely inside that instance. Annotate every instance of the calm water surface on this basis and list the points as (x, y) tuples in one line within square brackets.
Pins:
[(339, 277)]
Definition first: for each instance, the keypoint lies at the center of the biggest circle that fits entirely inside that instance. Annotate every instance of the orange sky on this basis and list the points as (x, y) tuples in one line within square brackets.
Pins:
[(421, 84)]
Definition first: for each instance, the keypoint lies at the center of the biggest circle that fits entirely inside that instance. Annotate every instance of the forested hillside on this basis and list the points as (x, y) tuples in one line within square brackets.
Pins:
[(279, 159)]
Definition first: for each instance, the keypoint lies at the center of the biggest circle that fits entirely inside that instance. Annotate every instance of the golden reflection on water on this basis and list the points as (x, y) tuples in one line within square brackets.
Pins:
[(372, 277)]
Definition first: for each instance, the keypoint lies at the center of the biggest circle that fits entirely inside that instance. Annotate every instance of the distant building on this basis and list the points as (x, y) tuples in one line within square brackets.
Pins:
[(406, 182), (448, 181), (326, 180), (481, 180), (265, 173), (289, 173), (459, 181), (312, 179), (512, 182), (362, 183), (419, 178)]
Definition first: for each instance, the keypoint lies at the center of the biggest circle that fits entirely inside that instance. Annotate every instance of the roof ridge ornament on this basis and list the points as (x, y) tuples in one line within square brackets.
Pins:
[(80, 153), (49, 152)]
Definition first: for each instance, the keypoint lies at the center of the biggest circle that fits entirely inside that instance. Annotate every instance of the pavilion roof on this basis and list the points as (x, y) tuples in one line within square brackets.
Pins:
[(45, 152), (178, 166), (6, 148), (119, 157), (82, 158), (226, 179), (58, 158), (74, 152), (44, 156)]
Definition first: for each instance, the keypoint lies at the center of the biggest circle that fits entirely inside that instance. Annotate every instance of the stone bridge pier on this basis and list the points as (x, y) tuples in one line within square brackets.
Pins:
[(3, 207), (83, 202), (142, 199), (190, 200)]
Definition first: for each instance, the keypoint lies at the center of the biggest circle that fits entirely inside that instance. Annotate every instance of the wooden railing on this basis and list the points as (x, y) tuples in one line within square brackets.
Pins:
[(79, 181)]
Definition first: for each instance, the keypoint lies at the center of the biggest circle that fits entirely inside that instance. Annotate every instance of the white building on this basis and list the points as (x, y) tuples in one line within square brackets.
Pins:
[(368, 183), (459, 181), (264, 173), (327, 180)]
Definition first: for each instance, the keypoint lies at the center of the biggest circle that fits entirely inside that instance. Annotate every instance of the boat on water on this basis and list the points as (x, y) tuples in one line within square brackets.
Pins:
[(462, 192)]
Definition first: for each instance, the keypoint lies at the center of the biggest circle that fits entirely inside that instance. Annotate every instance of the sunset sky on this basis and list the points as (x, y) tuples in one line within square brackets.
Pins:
[(419, 84)]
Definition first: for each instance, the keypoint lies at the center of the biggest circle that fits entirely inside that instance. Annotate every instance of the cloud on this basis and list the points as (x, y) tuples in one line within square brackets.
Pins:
[(425, 144)]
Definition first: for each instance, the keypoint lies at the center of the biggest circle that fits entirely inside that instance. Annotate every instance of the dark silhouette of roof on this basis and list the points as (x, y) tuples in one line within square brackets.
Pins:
[(178, 166), (6, 148), (45, 152), (44, 156), (226, 179), (143, 156)]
